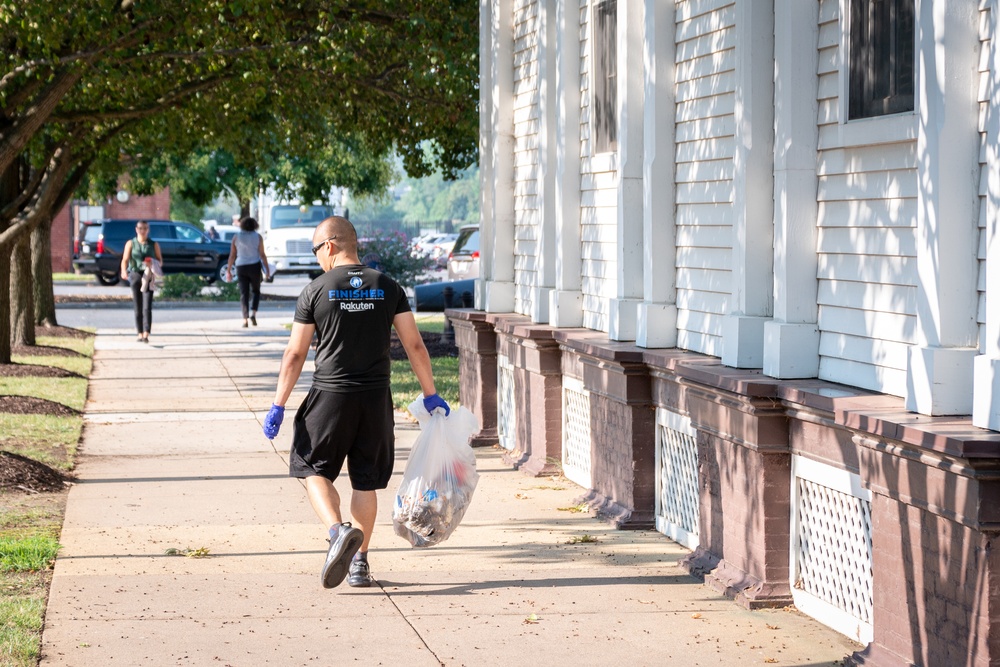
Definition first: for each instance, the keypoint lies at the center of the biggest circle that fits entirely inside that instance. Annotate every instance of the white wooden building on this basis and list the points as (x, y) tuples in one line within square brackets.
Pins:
[(775, 223)]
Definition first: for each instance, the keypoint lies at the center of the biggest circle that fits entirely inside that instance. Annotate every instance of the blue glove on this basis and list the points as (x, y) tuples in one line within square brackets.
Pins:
[(272, 422), (434, 401)]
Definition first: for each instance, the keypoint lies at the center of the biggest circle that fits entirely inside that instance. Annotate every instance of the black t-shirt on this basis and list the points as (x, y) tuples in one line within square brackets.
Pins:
[(352, 307)]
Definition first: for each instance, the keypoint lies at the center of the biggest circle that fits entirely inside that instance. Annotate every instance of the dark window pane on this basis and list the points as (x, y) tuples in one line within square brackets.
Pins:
[(881, 57), (605, 97)]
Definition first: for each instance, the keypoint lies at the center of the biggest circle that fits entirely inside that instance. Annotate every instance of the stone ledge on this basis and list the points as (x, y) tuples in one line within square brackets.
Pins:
[(465, 314), (597, 344)]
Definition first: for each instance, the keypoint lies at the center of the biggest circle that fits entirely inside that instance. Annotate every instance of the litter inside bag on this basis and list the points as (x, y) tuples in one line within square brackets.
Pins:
[(439, 479)]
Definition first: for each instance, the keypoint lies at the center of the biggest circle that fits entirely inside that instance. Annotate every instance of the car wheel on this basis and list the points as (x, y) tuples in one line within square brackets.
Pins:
[(220, 272), (108, 279)]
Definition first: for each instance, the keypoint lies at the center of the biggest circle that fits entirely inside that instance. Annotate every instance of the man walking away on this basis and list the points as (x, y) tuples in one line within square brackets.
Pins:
[(348, 413)]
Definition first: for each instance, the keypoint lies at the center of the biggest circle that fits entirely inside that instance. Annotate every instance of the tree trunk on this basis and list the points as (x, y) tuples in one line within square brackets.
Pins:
[(22, 295), (4, 308), (41, 273), (245, 209)]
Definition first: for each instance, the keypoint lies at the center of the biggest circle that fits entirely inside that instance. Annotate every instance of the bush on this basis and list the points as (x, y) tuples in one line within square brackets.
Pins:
[(181, 286), (389, 252)]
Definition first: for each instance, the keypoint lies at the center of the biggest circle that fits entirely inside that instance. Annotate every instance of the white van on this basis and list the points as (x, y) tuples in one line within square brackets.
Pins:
[(287, 228)]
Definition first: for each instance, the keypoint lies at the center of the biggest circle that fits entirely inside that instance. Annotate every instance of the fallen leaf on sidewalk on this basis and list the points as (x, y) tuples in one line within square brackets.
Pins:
[(696, 615), (581, 539), (770, 660), (521, 496), (531, 619), (575, 508), (771, 627), (200, 552)]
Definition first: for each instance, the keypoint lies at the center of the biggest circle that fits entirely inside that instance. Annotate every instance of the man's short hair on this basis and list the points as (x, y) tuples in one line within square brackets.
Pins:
[(345, 233)]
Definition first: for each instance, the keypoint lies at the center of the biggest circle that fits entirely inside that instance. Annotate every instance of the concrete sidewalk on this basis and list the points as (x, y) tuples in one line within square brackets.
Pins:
[(173, 458)]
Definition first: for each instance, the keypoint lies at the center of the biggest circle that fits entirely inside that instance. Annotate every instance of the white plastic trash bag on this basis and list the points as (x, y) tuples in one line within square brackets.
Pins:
[(439, 479)]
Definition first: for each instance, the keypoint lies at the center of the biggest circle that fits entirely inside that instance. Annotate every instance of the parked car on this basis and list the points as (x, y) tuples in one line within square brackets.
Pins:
[(433, 245), (430, 296), (227, 232), (463, 262), (184, 247)]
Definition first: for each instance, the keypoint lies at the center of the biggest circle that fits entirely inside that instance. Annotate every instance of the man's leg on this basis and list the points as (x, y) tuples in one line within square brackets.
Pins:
[(364, 507), (345, 540), (324, 499)]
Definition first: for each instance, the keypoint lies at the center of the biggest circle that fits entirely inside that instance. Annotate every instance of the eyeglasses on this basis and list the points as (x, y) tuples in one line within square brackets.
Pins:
[(315, 248)]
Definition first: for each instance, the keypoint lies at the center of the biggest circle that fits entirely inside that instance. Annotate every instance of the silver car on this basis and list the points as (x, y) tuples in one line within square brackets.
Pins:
[(463, 262)]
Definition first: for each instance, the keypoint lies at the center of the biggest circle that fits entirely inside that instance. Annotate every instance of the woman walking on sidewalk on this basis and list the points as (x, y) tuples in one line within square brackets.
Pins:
[(140, 252), (247, 251)]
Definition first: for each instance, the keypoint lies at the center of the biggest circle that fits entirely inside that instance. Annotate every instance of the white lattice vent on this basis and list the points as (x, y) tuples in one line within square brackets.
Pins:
[(576, 432), (506, 407), (677, 499), (831, 547)]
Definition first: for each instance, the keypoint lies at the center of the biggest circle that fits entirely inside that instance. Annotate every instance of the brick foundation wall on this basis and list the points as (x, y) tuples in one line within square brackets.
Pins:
[(535, 358), (623, 426), (477, 364)]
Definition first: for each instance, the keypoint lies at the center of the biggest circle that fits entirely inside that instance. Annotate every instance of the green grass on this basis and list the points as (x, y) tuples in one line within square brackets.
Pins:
[(30, 525), (71, 392), (78, 365), (29, 553), (405, 387), (433, 323), (83, 346), (75, 277), (21, 629)]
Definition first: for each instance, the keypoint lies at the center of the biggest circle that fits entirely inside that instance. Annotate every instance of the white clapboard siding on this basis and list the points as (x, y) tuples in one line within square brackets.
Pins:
[(866, 245), (526, 156), (705, 79), (984, 110)]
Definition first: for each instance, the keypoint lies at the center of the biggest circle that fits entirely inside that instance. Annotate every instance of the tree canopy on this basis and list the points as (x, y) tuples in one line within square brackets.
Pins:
[(90, 89)]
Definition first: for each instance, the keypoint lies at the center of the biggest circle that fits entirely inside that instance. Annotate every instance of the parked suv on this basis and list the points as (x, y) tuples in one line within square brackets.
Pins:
[(184, 247), (463, 262)]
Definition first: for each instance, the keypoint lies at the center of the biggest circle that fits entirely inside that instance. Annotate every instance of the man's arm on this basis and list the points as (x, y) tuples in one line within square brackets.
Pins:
[(416, 352), (293, 360)]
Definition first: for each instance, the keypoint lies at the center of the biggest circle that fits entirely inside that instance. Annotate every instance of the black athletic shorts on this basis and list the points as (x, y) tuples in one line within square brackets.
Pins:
[(358, 426)]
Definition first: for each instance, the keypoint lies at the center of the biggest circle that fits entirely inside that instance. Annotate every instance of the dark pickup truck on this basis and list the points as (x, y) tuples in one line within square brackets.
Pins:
[(184, 247)]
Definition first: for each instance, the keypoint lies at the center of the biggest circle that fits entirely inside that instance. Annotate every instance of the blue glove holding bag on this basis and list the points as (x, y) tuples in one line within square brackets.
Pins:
[(434, 401), (272, 422)]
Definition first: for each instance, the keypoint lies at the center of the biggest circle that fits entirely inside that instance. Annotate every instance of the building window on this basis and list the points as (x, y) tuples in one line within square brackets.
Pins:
[(881, 58), (604, 124)]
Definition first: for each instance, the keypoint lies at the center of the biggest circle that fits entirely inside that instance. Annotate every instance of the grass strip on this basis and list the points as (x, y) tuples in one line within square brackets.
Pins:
[(405, 387), (21, 629), (71, 392), (84, 346), (29, 553)]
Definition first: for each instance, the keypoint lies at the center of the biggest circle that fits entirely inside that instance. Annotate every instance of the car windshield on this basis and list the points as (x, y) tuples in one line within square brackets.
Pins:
[(298, 216), (468, 241)]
